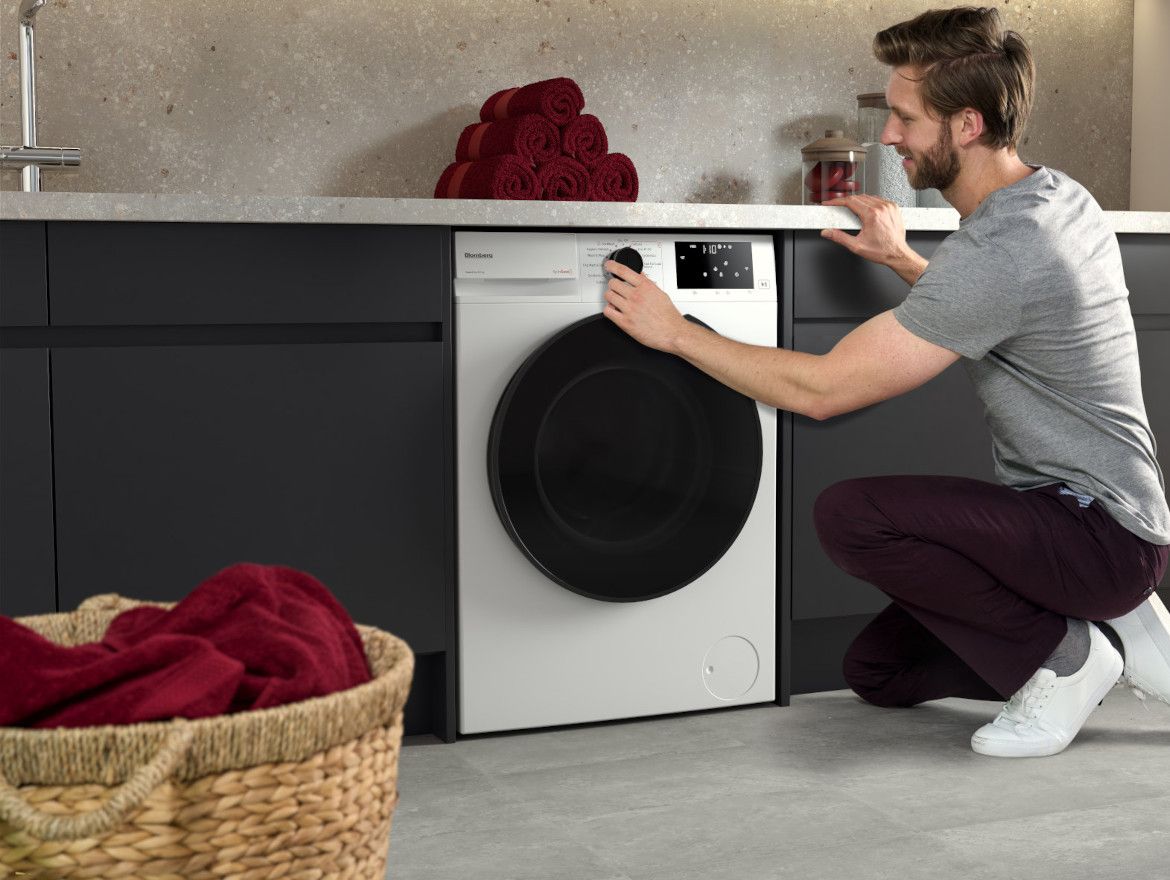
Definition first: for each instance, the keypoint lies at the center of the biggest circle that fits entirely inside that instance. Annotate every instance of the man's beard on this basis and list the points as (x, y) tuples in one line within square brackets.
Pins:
[(938, 167)]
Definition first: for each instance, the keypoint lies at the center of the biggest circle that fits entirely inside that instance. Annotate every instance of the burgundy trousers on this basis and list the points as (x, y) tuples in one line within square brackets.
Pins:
[(981, 576)]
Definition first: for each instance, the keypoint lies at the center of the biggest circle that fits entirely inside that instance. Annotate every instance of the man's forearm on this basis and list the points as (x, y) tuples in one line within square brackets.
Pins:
[(909, 265), (776, 377)]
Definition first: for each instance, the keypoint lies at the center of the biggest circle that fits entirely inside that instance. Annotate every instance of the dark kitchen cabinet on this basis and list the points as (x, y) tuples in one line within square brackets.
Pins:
[(24, 291), (936, 429), (1153, 341), (175, 461), (830, 283), (1147, 267), (27, 580), (220, 393), (215, 274), (1146, 259), (176, 397)]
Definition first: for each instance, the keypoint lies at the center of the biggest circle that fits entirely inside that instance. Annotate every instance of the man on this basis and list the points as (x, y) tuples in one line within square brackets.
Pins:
[(995, 587)]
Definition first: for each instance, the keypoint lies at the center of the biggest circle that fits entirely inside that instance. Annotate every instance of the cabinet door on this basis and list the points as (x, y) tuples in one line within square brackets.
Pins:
[(1154, 357), (173, 462), (27, 580), (831, 282), (1147, 266), (24, 300), (937, 428)]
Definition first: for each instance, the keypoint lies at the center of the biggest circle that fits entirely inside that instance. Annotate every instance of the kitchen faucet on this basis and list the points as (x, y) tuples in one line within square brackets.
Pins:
[(30, 158)]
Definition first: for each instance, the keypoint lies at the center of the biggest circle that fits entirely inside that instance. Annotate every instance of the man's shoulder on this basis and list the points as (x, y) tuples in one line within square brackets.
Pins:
[(1045, 194), (1043, 211), (984, 245)]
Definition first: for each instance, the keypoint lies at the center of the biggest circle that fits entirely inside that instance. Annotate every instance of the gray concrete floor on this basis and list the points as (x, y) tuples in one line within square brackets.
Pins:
[(829, 787)]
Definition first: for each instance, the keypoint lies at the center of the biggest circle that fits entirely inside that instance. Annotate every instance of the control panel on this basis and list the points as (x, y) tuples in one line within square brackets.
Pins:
[(567, 266)]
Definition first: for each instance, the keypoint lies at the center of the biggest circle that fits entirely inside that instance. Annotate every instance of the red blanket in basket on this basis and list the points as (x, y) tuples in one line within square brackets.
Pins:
[(250, 637)]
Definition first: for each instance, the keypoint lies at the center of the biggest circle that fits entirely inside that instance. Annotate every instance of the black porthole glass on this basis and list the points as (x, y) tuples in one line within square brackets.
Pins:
[(623, 473)]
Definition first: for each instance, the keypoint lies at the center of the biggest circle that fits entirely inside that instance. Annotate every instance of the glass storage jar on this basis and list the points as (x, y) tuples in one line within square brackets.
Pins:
[(872, 113), (884, 175), (831, 167)]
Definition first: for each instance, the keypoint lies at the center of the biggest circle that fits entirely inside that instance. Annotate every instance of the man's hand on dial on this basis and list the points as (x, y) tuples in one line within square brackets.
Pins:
[(642, 309)]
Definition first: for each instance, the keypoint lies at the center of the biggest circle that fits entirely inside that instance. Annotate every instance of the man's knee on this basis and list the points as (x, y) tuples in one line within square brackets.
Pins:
[(830, 508), (840, 498), (843, 516)]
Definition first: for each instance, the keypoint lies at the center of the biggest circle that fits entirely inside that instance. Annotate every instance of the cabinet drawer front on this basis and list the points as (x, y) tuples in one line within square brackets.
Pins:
[(23, 297), (1147, 272), (119, 274), (831, 282)]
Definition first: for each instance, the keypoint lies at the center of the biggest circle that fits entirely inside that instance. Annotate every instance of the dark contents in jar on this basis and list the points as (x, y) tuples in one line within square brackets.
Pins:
[(831, 180)]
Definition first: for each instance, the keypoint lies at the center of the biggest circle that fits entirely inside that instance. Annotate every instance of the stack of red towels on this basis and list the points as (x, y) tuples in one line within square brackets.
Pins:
[(251, 637), (533, 142)]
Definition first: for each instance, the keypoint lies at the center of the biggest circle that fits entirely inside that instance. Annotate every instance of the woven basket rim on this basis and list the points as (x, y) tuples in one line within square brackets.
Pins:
[(199, 724), (29, 754)]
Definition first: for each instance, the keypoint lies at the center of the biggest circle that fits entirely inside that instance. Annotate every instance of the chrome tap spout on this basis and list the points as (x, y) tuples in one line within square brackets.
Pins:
[(28, 9), (29, 157)]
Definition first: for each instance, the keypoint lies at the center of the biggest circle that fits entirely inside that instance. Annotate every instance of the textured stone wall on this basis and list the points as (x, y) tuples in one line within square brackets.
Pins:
[(712, 100)]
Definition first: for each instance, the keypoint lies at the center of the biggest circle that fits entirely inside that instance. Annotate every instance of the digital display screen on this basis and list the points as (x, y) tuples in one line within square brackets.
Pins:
[(720, 265)]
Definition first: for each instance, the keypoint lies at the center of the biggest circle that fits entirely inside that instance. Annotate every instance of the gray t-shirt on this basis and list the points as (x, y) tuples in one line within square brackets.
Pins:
[(1030, 291)]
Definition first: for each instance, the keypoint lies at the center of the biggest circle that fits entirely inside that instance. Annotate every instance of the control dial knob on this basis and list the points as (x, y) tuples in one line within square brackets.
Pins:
[(627, 256)]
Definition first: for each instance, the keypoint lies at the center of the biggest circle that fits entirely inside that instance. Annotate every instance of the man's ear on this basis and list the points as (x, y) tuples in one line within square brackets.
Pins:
[(972, 126)]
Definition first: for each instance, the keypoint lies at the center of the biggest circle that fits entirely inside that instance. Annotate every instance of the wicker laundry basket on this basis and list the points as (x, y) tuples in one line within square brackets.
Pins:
[(300, 791)]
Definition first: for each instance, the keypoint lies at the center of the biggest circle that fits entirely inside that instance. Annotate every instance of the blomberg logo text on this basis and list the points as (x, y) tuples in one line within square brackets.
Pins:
[(470, 256)]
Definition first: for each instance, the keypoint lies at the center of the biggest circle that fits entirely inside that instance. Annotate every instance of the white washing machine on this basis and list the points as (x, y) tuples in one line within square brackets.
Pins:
[(616, 506)]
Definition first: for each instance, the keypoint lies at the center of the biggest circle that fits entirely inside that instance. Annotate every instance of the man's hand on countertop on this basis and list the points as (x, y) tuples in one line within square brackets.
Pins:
[(882, 238)]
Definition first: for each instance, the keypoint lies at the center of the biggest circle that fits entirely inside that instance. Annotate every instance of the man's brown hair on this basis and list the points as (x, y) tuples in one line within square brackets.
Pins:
[(966, 60)]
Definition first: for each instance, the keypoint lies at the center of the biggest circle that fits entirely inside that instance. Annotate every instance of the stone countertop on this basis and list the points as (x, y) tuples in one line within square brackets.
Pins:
[(196, 208)]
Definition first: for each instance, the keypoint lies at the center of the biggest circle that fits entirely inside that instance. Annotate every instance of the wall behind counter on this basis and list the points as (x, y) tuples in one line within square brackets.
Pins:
[(712, 100)]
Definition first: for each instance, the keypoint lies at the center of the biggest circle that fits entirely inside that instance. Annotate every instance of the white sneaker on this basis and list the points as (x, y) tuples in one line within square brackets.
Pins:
[(1043, 716), (1145, 638)]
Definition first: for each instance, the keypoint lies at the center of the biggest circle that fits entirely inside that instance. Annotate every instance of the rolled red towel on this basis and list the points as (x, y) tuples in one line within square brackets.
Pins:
[(584, 139), (613, 179), (500, 177), (563, 179), (530, 137), (559, 99)]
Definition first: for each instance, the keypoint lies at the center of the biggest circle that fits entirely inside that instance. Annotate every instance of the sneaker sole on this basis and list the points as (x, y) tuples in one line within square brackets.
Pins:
[(1155, 619), (1024, 750)]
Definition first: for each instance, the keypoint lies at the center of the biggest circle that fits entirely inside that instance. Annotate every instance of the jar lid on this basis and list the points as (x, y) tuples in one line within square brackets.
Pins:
[(873, 99), (834, 147)]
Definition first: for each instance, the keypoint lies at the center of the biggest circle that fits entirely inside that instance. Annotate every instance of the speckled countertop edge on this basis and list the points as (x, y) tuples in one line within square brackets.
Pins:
[(195, 208)]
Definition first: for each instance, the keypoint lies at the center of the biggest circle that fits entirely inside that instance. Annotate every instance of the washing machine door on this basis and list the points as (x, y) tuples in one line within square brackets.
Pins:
[(621, 472)]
